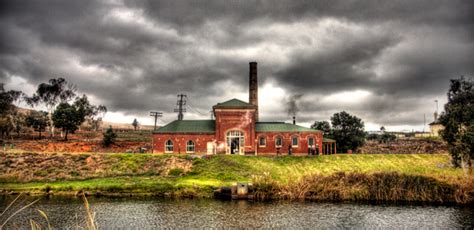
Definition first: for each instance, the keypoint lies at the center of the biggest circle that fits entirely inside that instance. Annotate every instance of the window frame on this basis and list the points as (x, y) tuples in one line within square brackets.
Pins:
[(188, 145), (314, 141), (281, 142), (167, 145), (264, 138), (297, 141)]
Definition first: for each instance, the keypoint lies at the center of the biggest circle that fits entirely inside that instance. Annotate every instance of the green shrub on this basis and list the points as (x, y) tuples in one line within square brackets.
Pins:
[(176, 172), (109, 137)]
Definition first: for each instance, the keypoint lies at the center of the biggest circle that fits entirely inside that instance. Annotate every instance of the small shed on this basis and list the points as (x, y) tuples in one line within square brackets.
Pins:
[(329, 146)]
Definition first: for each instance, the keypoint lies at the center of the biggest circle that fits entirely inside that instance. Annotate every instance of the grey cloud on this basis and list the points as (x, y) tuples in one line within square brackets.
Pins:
[(198, 45)]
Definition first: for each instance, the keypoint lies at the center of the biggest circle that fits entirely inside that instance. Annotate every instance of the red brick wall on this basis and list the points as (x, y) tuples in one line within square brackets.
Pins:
[(302, 149), (235, 119), (180, 140)]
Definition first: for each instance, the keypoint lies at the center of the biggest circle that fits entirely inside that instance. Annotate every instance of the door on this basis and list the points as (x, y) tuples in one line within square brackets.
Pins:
[(235, 142)]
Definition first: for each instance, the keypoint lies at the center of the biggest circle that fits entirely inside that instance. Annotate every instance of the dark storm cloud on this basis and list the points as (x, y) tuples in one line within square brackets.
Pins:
[(135, 56)]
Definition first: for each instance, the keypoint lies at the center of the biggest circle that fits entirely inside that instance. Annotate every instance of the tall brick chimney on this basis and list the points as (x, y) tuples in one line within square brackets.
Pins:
[(253, 87)]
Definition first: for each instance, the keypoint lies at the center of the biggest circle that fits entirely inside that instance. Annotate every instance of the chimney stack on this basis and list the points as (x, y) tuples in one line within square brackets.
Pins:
[(253, 87)]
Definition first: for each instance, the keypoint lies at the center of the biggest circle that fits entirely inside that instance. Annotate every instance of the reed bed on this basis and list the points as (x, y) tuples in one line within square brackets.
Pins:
[(379, 186)]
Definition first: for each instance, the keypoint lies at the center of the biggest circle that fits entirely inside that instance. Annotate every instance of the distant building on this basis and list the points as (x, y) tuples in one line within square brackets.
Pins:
[(237, 130), (435, 128)]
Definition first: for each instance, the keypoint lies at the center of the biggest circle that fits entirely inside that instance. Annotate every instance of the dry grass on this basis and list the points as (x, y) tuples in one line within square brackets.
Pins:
[(380, 186), (35, 225)]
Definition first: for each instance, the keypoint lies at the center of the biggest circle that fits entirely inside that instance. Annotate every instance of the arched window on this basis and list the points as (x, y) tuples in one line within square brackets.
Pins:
[(262, 141), (310, 141), (190, 146), (168, 146), (278, 142), (294, 141)]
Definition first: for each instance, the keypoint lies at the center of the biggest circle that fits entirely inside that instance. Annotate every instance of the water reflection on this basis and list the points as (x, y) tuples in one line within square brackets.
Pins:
[(150, 213)]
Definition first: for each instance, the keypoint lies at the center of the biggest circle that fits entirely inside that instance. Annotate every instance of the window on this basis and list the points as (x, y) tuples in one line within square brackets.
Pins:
[(169, 146), (278, 142), (310, 141), (190, 146), (262, 142), (294, 141)]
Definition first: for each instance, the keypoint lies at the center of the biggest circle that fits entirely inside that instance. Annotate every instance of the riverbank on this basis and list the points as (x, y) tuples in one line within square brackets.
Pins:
[(390, 177)]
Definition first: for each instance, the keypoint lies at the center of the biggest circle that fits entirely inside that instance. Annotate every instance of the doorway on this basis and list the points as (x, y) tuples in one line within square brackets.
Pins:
[(235, 142)]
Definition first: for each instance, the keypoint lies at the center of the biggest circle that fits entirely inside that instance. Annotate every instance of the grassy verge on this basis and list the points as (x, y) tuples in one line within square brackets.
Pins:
[(339, 177)]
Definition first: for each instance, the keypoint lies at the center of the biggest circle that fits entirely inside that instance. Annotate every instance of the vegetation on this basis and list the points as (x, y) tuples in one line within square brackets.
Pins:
[(381, 138), (109, 137), (348, 131), (38, 120), (68, 117), (458, 122), (322, 126), (51, 94), (135, 124), (9, 118), (372, 176)]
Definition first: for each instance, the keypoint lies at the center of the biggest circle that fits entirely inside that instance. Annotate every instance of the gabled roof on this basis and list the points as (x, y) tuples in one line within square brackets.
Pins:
[(233, 103), (281, 127), (188, 126)]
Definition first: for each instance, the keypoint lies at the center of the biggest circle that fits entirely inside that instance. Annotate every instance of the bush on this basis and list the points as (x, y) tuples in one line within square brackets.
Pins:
[(176, 172), (109, 137)]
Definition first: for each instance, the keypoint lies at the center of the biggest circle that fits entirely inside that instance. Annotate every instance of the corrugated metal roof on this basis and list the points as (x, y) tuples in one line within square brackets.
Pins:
[(188, 126), (281, 127), (328, 140), (234, 103)]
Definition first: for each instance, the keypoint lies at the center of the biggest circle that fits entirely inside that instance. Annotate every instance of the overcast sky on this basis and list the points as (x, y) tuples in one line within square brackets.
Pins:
[(383, 61)]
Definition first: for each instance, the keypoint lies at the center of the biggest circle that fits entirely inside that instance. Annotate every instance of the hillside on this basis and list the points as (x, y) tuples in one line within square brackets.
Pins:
[(167, 175)]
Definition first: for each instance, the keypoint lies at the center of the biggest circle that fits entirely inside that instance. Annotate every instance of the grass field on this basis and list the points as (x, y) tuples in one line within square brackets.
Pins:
[(209, 173)]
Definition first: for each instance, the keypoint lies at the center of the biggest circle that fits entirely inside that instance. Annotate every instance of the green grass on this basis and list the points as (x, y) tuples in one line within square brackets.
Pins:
[(221, 170)]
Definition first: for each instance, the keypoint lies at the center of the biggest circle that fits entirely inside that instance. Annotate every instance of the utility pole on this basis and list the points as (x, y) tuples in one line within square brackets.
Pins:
[(180, 109), (212, 114), (156, 115)]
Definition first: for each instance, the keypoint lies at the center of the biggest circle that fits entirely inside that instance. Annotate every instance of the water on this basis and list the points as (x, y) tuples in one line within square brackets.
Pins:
[(153, 213)]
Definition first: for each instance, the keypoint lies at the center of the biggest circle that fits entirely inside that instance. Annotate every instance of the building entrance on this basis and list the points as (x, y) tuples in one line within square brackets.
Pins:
[(235, 142)]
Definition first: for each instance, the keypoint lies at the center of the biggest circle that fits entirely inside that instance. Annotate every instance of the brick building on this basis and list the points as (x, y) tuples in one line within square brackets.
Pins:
[(237, 130)]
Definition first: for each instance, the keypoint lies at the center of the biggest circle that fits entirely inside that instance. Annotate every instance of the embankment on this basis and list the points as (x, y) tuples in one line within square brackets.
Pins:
[(382, 177)]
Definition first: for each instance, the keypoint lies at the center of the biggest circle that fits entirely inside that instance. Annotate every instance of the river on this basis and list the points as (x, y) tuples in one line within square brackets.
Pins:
[(153, 213)]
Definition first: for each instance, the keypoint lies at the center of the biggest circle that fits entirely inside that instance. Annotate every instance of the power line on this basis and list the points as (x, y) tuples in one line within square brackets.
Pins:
[(195, 110)]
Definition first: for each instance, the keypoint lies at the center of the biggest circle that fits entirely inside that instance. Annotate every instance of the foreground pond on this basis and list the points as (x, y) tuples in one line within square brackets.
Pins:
[(152, 213)]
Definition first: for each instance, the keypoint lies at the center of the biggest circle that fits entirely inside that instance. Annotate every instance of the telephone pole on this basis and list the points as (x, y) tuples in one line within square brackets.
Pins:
[(156, 115), (180, 106)]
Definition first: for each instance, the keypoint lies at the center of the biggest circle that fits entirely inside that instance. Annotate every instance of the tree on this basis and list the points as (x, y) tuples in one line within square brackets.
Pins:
[(68, 117), (95, 119), (38, 120), (322, 126), (135, 124), (51, 94), (382, 129), (93, 114), (458, 122), (109, 137), (348, 131), (8, 120)]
